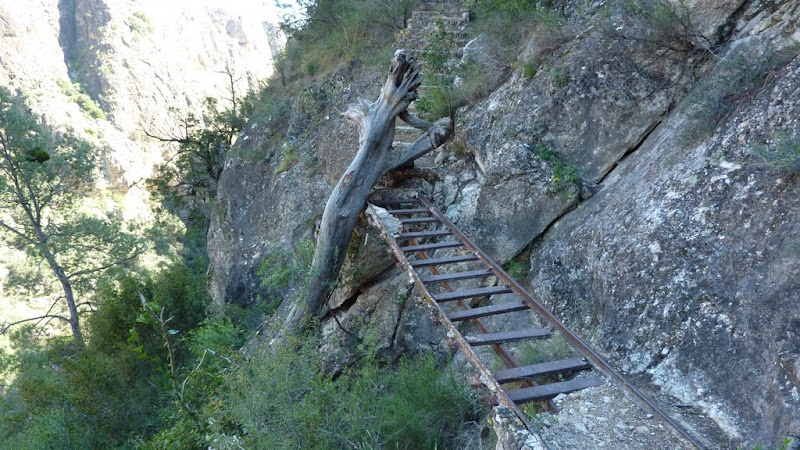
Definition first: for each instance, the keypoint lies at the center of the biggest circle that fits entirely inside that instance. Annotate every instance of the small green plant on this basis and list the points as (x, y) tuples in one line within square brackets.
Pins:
[(140, 24), (283, 268), (280, 398), (437, 94), (310, 68), (661, 26), (530, 68), (563, 175), (335, 34), (517, 269), (76, 93), (508, 22), (535, 352), (290, 156), (736, 80), (781, 153), (559, 77)]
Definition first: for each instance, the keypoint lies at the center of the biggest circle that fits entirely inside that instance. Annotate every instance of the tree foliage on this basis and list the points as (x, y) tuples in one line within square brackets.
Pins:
[(187, 183), (44, 178)]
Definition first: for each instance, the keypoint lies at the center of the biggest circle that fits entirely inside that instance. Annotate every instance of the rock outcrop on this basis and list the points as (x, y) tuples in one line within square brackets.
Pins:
[(674, 250)]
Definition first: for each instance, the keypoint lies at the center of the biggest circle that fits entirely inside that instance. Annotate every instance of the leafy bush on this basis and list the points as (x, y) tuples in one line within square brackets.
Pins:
[(140, 24), (330, 34), (60, 399), (661, 26), (530, 68), (76, 93), (280, 398), (563, 175), (510, 21), (736, 80), (780, 153), (115, 391), (559, 77), (437, 93)]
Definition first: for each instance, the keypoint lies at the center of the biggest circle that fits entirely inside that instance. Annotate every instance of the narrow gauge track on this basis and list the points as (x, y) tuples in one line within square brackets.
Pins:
[(438, 233)]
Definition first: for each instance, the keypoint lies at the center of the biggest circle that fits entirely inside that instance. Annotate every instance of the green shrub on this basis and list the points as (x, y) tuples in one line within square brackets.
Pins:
[(289, 157), (539, 351), (517, 269), (530, 68), (76, 93), (661, 26), (781, 153), (559, 77), (280, 398), (437, 93), (335, 33), (508, 22), (140, 24), (563, 175), (283, 268), (85, 400), (735, 80)]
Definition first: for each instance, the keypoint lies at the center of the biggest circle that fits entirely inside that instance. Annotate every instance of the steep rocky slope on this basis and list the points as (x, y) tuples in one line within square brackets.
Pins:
[(675, 252), (113, 68)]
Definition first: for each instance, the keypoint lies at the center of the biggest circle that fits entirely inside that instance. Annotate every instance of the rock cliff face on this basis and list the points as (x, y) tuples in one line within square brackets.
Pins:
[(111, 68), (677, 250)]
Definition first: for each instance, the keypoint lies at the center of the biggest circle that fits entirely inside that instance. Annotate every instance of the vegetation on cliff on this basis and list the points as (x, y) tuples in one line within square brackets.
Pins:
[(159, 365)]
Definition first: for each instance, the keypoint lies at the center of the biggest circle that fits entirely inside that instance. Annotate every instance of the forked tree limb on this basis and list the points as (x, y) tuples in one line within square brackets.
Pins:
[(375, 157)]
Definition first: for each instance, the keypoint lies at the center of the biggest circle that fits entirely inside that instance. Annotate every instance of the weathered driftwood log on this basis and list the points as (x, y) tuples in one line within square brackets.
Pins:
[(375, 157)]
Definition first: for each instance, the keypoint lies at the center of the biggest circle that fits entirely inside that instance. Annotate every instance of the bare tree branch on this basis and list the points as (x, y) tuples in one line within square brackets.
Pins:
[(7, 325)]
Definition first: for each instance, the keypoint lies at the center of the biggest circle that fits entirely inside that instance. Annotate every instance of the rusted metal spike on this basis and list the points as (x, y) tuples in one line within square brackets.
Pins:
[(550, 367), (484, 311), (480, 292), (434, 246), (508, 336), (548, 391), (457, 276), (446, 260)]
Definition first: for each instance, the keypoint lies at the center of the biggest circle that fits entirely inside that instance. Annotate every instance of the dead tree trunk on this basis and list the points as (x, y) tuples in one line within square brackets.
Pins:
[(376, 127)]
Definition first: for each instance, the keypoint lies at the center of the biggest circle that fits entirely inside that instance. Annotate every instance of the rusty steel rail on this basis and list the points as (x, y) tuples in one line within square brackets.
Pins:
[(577, 343), (499, 349), (486, 376), (510, 399)]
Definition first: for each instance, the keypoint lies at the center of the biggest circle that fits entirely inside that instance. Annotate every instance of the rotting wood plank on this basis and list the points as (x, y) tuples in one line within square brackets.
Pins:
[(470, 293), (484, 311), (548, 391), (509, 336), (560, 366), (445, 260), (433, 246), (457, 276), (422, 234)]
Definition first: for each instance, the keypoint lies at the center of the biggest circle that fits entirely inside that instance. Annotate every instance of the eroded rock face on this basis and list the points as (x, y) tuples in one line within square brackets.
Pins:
[(272, 191), (587, 107), (110, 68), (684, 266), (674, 253)]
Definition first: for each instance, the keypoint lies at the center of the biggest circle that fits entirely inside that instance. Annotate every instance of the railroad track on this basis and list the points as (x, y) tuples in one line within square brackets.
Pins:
[(441, 280)]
